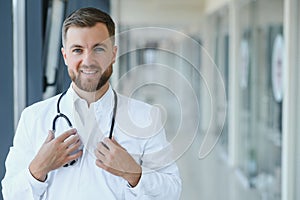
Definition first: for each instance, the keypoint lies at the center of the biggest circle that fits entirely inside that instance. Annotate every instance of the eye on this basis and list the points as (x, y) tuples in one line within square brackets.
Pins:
[(99, 49), (77, 51)]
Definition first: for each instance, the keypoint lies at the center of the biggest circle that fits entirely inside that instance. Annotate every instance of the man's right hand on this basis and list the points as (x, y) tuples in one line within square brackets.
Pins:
[(54, 153)]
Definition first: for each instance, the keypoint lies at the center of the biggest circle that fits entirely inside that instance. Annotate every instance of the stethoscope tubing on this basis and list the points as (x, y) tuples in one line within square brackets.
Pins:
[(61, 115)]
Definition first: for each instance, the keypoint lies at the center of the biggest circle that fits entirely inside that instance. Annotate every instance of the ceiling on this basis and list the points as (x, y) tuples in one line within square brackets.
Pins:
[(158, 12)]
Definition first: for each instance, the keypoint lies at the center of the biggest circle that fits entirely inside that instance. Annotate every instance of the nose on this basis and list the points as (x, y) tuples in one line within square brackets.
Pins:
[(88, 59)]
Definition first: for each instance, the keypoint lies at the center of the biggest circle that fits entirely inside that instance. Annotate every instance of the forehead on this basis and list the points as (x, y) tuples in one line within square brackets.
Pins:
[(87, 35)]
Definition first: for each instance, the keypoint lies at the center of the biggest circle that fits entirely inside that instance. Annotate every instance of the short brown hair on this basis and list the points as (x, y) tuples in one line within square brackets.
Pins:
[(88, 17)]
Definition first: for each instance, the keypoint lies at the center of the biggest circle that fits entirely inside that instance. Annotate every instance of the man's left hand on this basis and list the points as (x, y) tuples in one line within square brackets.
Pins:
[(112, 157)]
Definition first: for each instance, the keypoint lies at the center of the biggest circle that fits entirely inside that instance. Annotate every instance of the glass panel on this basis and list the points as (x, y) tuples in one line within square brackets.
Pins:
[(246, 163), (261, 56), (221, 58), (297, 184)]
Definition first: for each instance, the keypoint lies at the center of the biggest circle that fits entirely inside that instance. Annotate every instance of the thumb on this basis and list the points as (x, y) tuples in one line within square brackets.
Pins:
[(50, 136)]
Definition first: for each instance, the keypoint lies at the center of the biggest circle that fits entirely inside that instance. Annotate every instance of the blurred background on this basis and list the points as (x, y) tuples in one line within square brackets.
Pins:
[(224, 73)]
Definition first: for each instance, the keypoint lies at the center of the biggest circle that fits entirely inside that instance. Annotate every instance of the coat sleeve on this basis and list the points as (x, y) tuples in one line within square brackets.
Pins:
[(160, 175), (157, 184), (18, 183)]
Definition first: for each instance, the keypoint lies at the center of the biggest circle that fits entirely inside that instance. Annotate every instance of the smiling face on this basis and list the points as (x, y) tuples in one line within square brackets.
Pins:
[(89, 54)]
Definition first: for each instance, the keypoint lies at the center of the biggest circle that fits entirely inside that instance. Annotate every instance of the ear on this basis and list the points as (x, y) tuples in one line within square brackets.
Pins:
[(115, 50), (64, 55)]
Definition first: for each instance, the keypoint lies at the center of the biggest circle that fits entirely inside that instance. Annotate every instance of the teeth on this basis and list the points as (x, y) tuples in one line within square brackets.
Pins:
[(89, 72)]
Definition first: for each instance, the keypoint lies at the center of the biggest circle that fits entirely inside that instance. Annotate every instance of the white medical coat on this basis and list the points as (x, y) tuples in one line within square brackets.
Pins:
[(138, 130)]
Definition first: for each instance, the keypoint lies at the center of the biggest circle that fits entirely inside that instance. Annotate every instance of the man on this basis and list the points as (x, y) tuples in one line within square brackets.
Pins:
[(84, 162)]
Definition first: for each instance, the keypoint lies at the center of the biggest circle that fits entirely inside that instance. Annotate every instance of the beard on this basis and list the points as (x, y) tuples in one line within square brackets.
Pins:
[(91, 84)]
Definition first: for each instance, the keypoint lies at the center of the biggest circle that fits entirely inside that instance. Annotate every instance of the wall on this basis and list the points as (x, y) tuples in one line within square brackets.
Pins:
[(6, 83)]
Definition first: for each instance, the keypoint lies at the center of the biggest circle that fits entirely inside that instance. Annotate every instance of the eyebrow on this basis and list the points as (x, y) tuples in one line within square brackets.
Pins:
[(96, 45), (100, 44), (75, 46)]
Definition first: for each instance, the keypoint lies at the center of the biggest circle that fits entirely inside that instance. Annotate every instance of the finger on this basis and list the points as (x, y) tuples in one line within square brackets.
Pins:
[(100, 164), (100, 156), (103, 148), (108, 143), (66, 134), (74, 147), (50, 136), (73, 139), (104, 145), (74, 156)]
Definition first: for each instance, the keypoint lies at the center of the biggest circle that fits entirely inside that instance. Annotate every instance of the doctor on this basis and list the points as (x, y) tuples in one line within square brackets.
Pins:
[(50, 160)]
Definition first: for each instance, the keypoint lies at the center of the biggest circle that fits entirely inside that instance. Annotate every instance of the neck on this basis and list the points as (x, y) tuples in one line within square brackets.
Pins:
[(91, 97)]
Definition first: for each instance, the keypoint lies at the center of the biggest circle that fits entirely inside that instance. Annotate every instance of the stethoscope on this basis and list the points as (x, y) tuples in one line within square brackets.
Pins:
[(61, 115)]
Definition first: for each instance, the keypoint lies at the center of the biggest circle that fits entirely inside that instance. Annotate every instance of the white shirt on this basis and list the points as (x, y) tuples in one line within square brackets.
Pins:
[(138, 129)]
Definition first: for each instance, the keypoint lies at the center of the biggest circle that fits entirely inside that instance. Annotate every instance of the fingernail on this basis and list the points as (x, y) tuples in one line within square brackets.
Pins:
[(74, 130)]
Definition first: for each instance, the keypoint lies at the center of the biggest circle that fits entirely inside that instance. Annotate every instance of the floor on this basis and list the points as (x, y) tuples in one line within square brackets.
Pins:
[(211, 178)]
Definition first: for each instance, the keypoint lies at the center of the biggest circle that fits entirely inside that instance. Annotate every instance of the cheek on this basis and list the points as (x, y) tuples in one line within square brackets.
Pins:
[(73, 65), (71, 74), (105, 61), (72, 61)]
